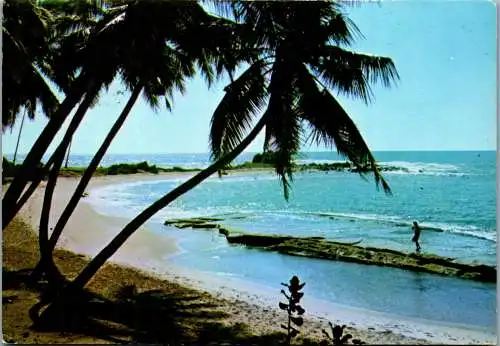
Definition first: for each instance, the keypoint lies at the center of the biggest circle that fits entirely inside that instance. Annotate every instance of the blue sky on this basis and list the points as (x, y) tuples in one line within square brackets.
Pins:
[(445, 53)]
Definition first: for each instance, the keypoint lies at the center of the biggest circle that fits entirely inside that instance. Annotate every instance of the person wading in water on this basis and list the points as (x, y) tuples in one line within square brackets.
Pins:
[(416, 229)]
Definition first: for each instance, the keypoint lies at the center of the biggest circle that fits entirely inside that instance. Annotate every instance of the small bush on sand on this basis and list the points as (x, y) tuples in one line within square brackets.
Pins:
[(338, 337), (294, 310)]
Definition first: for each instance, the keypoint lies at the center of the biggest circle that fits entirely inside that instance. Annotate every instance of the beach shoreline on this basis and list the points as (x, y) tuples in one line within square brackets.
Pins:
[(88, 231)]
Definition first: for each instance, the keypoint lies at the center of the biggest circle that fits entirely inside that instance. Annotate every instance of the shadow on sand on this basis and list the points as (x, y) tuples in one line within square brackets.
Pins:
[(150, 316)]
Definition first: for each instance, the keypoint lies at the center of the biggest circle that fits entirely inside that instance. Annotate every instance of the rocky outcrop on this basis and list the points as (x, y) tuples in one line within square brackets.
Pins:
[(318, 247)]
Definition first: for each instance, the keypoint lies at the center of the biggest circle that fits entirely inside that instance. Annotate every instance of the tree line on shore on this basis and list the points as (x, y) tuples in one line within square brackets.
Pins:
[(295, 54), (9, 168)]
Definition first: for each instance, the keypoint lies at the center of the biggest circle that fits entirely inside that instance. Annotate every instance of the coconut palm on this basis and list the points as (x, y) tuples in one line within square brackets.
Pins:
[(34, 34), (95, 72), (64, 62), (26, 33), (151, 66), (301, 55), (47, 264), (104, 40), (305, 46), (24, 82)]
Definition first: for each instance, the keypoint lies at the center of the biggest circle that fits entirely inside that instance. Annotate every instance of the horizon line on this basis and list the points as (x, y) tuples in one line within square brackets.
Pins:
[(256, 152)]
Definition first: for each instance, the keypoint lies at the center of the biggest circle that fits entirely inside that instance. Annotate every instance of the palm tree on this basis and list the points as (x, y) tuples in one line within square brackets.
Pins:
[(47, 264), (94, 71), (299, 47), (26, 32), (64, 61), (147, 64)]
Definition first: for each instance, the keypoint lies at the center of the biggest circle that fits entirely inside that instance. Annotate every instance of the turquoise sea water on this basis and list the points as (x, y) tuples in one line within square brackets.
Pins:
[(451, 193)]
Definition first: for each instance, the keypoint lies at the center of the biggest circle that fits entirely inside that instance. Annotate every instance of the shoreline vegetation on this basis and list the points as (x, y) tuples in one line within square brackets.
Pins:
[(320, 248), (259, 162)]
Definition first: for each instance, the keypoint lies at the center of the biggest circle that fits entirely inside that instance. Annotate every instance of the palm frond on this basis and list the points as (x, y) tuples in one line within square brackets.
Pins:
[(332, 126), (351, 73), (206, 69), (261, 21), (376, 68), (342, 30), (24, 85), (216, 43), (26, 29), (318, 23), (227, 9), (152, 100), (283, 127), (232, 118), (46, 96)]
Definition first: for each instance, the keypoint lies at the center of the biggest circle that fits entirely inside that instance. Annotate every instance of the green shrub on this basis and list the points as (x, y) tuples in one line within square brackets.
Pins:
[(338, 337), (131, 168), (266, 157), (179, 169), (8, 168), (142, 165)]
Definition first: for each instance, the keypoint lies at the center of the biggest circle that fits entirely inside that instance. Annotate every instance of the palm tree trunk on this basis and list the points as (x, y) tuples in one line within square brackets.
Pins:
[(47, 266), (91, 269), (39, 148), (19, 136), (67, 156), (34, 184), (57, 158), (87, 175)]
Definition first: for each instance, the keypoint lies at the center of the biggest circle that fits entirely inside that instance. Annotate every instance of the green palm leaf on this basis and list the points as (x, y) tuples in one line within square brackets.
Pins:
[(26, 29), (24, 85), (232, 118), (350, 73), (332, 126), (283, 128)]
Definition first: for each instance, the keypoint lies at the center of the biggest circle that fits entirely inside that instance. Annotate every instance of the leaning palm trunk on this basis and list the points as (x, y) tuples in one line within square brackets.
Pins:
[(14, 208), (34, 184), (46, 265), (91, 269), (57, 159), (19, 137), (84, 181), (37, 151), (67, 156)]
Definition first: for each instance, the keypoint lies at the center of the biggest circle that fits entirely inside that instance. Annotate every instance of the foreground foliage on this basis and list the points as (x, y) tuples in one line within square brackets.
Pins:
[(338, 337), (293, 307)]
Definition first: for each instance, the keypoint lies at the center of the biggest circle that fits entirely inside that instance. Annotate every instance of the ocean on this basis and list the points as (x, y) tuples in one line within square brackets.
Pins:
[(451, 194)]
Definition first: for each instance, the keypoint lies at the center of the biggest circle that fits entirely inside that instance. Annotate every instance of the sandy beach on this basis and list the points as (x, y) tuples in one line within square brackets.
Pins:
[(256, 305)]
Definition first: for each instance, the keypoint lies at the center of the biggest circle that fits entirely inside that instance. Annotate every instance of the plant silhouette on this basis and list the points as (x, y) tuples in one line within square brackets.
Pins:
[(338, 337), (294, 310)]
